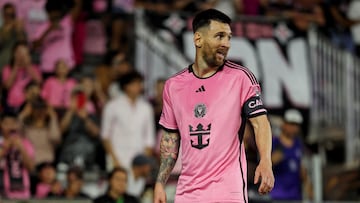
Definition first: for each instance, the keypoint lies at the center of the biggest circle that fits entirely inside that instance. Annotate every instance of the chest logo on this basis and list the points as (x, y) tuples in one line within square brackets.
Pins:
[(200, 110), (201, 135)]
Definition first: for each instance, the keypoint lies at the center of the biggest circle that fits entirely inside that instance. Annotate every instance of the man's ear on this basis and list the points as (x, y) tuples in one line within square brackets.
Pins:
[(198, 39)]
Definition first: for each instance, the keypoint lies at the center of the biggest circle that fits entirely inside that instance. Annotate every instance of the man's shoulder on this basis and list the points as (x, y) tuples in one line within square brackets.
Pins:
[(179, 74), (239, 70)]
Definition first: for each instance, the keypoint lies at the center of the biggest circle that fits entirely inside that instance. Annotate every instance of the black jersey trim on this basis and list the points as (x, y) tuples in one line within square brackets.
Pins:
[(250, 75), (191, 70), (257, 114), (169, 130), (241, 137), (179, 73)]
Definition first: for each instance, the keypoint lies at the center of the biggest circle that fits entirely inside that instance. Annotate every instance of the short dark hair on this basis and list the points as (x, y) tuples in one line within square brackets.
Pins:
[(31, 84), (8, 114), (7, 5), (115, 170), (204, 18), (129, 78)]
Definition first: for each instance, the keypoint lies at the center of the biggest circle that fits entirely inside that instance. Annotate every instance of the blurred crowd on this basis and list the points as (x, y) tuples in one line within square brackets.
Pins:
[(72, 102)]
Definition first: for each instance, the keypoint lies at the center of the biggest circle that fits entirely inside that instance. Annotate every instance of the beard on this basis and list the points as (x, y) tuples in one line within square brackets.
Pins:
[(214, 57)]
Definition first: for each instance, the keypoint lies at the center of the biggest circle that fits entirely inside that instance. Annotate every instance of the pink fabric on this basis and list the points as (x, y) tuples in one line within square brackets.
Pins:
[(95, 41), (26, 192), (16, 95), (213, 108), (57, 45), (56, 93), (42, 190), (33, 14)]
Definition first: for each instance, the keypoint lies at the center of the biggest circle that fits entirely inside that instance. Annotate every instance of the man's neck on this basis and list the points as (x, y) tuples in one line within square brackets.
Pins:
[(203, 70), (114, 195)]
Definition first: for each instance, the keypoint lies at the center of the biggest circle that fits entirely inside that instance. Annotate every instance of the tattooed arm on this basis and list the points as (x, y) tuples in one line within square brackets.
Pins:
[(169, 150)]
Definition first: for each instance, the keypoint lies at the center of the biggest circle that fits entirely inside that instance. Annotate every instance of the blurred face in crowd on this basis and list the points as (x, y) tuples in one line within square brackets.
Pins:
[(291, 130), (88, 85), (120, 65), (134, 88), (39, 112), (9, 13), (9, 125), (118, 183), (62, 69), (213, 43), (145, 170), (48, 174), (22, 55), (74, 182), (32, 92)]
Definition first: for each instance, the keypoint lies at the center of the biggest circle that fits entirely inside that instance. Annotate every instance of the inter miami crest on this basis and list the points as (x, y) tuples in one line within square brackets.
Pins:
[(200, 110)]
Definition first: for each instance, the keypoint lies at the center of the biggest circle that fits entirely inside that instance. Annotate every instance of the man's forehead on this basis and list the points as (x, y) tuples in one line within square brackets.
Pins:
[(219, 26)]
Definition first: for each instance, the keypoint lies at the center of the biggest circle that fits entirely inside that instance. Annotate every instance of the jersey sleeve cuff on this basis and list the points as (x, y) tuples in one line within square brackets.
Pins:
[(170, 130)]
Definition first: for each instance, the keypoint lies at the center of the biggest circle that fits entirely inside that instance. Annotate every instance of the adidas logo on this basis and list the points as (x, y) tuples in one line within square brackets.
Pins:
[(201, 89)]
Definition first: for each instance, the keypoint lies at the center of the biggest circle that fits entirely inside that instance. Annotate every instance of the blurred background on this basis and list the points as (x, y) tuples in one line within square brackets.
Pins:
[(81, 84)]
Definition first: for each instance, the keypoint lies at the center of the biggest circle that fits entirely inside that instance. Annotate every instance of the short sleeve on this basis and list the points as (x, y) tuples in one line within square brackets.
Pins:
[(253, 104), (167, 118)]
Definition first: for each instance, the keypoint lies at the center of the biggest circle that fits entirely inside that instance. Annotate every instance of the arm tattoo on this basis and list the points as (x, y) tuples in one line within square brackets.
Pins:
[(169, 149)]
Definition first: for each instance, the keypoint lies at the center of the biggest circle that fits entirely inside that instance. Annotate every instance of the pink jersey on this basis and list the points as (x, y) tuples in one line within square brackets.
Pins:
[(24, 193), (210, 114), (16, 94), (58, 93), (56, 45)]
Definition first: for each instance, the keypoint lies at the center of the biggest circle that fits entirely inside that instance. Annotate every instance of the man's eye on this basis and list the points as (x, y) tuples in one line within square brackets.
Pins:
[(220, 36)]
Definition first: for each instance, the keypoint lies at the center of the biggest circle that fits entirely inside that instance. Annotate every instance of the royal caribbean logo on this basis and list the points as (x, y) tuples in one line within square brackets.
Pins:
[(201, 134)]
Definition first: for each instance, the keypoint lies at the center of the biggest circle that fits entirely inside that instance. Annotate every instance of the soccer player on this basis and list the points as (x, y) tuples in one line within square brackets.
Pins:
[(205, 109)]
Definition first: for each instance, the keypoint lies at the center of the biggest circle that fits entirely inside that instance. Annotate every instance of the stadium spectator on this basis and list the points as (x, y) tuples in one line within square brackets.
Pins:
[(11, 31), (287, 157), (80, 128), (127, 123), (32, 93), (16, 159), (54, 38), (138, 174), (107, 75), (47, 183), (339, 24), (20, 72), (96, 98), (305, 13), (57, 89), (33, 14), (41, 127), (117, 188), (74, 183), (157, 102)]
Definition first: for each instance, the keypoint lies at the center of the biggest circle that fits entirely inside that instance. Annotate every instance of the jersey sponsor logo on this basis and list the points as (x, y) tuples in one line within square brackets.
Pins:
[(255, 103), (202, 135), (253, 106), (200, 110)]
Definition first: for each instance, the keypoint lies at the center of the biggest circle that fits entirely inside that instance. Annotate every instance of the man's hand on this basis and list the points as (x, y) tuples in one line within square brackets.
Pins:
[(159, 193), (264, 174)]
